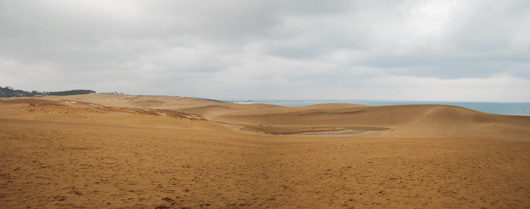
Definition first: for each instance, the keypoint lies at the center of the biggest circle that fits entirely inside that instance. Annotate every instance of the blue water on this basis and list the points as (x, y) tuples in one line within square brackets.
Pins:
[(489, 107)]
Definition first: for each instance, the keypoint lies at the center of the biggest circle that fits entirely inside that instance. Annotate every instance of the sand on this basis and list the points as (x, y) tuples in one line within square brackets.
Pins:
[(107, 151)]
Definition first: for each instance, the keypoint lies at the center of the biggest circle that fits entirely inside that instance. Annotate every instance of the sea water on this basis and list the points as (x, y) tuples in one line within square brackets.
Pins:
[(488, 107)]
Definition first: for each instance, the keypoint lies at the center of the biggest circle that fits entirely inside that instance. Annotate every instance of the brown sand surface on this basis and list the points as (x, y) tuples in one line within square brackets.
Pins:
[(108, 151)]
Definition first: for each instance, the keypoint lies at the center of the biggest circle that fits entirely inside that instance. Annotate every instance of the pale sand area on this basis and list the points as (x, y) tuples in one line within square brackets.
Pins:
[(107, 151)]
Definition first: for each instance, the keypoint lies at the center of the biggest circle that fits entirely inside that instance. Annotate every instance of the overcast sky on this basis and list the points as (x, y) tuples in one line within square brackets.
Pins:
[(374, 50)]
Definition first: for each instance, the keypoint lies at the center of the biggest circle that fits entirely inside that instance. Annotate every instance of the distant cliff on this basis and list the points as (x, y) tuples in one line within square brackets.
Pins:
[(10, 92)]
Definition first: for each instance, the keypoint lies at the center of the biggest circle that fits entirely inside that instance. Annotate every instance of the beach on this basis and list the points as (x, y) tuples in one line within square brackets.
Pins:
[(112, 151)]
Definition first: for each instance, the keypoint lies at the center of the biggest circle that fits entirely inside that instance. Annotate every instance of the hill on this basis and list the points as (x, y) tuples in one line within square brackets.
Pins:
[(438, 121), (10, 92)]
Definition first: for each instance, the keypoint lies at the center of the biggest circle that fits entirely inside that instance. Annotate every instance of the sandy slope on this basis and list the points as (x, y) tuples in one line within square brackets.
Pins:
[(107, 151)]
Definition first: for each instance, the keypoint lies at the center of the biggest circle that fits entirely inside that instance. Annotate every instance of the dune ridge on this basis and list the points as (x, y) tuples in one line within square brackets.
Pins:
[(401, 120)]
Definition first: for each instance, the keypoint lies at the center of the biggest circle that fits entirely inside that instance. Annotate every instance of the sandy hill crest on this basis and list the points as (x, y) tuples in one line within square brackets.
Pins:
[(387, 121)]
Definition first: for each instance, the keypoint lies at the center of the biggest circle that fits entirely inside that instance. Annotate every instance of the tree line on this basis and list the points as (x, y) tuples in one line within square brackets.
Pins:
[(10, 92)]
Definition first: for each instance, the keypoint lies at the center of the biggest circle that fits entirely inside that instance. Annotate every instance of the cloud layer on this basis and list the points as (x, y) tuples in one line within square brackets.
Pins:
[(400, 50)]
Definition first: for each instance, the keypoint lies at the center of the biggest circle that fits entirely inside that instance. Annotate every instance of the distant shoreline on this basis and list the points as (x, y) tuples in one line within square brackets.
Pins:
[(508, 108)]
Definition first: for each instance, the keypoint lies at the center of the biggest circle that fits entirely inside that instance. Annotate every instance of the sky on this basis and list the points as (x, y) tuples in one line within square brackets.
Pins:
[(299, 49)]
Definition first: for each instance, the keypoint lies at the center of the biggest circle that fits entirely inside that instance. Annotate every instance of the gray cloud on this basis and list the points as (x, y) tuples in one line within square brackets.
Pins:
[(220, 48)]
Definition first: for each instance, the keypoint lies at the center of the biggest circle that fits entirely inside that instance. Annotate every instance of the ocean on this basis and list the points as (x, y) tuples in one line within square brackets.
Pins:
[(489, 107)]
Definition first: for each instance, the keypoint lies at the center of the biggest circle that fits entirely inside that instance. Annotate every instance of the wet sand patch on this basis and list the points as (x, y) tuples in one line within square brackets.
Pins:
[(327, 130)]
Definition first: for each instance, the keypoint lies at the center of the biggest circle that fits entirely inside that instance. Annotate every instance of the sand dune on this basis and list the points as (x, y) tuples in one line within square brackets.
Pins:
[(401, 120), (106, 151)]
